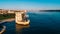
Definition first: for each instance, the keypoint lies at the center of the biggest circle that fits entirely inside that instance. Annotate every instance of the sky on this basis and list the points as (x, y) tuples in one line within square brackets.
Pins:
[(30, 4)]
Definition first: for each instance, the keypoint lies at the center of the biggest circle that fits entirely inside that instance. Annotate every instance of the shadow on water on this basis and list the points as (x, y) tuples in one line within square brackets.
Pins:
[(19, 28)]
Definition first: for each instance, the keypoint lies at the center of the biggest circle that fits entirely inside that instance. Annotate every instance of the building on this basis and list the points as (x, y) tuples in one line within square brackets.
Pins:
[(2, 11), (11, 11)]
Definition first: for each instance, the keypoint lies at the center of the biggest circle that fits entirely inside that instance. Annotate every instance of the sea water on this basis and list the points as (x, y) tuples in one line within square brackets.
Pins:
[(40, 23)]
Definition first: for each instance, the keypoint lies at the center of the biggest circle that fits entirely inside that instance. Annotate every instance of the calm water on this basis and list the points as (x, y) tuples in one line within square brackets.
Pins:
[(40, 23)]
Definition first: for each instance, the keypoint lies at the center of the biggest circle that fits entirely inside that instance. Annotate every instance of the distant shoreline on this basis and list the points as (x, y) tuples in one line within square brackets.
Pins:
[(49, 10)]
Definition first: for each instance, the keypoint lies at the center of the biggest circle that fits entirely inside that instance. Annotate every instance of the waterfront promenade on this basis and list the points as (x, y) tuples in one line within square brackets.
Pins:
[(7, 20)]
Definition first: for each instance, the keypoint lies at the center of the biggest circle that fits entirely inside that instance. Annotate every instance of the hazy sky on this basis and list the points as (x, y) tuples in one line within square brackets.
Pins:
[(30, 4)]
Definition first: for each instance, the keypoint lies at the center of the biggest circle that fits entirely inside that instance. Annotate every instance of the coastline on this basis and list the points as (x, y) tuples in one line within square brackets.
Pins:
[(7, 20), (3, 29)]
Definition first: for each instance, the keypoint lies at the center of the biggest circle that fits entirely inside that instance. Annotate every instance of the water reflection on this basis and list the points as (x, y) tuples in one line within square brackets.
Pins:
[(19, 28)]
